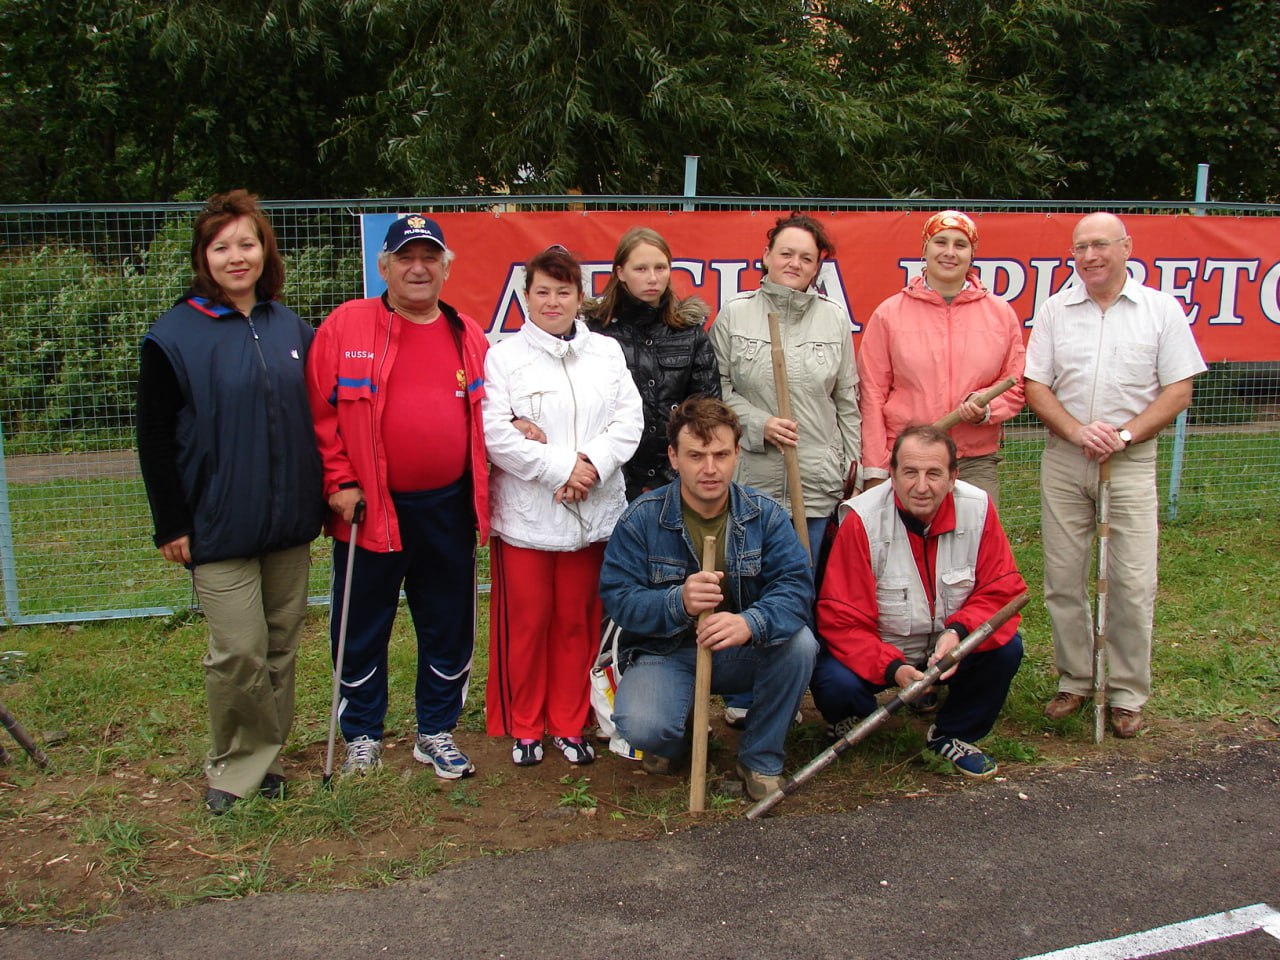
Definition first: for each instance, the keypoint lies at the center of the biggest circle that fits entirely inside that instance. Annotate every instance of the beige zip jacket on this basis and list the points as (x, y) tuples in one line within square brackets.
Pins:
[(817, 343)]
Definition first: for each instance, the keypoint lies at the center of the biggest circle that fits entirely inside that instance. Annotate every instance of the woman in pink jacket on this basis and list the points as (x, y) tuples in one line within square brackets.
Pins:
[(929, 348)]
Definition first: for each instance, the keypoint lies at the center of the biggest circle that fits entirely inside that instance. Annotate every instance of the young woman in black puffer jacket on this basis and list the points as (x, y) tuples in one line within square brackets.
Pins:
[(663, 340)]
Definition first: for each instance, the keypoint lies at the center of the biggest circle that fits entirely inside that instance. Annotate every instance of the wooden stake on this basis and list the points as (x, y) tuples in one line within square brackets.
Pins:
[(982, 399), (795, 486), (701, 701)]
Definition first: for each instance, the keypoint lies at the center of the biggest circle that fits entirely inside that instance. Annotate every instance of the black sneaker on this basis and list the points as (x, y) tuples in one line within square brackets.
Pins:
[(924, 704), (837, 730), (526, 753), (274, 786), (218, 801), (575, 749)]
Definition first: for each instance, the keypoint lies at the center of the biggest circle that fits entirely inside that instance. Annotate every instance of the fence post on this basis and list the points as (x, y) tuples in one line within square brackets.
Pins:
[(690, 178), (1180, 425), (8, 559)]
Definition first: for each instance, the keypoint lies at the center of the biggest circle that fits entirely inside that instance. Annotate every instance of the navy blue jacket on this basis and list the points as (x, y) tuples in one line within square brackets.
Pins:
[(245, 446)]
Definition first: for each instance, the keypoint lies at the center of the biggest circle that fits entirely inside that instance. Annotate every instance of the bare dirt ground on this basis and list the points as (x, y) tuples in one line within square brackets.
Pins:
[(47, 860)]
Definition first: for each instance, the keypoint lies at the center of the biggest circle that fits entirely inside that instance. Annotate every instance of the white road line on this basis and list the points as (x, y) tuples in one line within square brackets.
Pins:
[(1176, 936)]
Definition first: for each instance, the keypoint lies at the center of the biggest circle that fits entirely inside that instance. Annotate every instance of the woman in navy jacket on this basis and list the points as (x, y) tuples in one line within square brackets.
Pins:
[(233, 478)]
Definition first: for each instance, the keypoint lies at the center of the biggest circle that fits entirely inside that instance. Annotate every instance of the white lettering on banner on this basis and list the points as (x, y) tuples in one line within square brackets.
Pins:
[(1008, 279), (1005, 278), (830, 284), (1231, 270), (728, 271), (1043, 271), (1184, 292), (513, 289), (694, 268), (1269, 295), (589, 273)]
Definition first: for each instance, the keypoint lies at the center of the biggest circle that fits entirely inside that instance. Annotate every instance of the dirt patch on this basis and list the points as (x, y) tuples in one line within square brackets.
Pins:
[(36, 468), (64, 866)]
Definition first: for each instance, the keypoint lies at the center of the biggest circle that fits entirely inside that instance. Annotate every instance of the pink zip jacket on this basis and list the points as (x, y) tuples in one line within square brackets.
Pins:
[(920, 357)]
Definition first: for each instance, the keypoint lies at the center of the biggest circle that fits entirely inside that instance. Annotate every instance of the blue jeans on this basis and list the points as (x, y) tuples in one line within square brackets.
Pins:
[(975, 696), (655, 697), (817, 528)]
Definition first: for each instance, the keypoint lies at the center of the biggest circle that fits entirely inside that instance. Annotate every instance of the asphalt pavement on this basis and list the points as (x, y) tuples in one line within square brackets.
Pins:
[(1011, 868)]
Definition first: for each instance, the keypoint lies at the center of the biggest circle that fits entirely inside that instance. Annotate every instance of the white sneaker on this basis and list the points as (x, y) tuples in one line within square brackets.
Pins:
[(736, 717), (363, 754), (439, 750)]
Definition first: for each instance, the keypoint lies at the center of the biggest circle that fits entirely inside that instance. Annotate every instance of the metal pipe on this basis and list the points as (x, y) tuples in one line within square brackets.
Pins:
[(690, 179), (882, 714), (1100, 624)]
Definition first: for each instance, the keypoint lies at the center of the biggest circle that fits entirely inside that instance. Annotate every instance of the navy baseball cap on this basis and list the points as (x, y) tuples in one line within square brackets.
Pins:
[(413, 227)]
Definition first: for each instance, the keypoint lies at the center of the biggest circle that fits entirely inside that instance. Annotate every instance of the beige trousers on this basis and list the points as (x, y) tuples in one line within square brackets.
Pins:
[(1068, 504), (981, 472), (255, 607)]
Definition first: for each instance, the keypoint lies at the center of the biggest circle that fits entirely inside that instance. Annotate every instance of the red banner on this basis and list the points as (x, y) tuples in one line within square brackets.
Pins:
[(1224, 271)]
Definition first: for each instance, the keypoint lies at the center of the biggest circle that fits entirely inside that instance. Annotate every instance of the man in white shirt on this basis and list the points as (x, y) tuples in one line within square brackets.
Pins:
[(1109, 365)]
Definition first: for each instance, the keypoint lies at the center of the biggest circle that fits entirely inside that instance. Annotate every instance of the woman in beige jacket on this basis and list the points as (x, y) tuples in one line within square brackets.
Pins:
[(821, 373)]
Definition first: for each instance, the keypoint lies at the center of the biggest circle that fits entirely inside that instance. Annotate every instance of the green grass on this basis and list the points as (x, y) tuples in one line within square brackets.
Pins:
[(85, 544), (127, 698)]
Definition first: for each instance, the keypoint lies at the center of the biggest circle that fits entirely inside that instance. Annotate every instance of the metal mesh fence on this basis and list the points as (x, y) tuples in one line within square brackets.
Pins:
[(79, 286)]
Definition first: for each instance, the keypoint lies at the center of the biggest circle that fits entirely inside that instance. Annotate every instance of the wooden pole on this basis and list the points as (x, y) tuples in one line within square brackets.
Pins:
[(24, 739), (882, 714), (795, 487), (1100, 622), (982, 399), (701, 701)]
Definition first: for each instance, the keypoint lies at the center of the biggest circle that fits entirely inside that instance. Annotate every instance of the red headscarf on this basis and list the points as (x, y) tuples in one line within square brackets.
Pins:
[(950, 220)]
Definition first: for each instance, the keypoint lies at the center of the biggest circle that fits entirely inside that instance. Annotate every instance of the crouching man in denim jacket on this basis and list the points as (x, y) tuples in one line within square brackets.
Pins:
[(760, 597)]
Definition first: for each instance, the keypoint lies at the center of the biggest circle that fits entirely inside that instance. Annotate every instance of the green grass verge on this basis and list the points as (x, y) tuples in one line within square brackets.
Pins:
[(125, 701)]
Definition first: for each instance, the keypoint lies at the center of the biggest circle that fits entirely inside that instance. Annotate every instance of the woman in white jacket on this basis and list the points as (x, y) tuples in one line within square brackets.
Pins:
[(555, 494)]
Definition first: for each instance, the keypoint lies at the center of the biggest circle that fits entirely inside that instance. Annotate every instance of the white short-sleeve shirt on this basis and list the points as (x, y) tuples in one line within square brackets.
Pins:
[(1111, 365)]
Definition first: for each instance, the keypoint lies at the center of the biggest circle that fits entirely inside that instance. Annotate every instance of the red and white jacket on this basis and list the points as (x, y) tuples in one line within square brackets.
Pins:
[(348, 367), (886, 596)]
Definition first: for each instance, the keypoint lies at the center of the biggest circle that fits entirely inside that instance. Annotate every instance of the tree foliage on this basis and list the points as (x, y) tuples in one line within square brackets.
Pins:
[(1187, 82), (149, 100)]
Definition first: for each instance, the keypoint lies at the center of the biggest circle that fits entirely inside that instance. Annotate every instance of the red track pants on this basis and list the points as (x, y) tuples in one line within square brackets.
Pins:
[(544, 628)]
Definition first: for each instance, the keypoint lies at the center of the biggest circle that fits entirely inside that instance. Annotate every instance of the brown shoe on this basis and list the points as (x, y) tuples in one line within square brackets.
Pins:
[(1125, 723), (1064, 704), (759, 785), (657, 766)]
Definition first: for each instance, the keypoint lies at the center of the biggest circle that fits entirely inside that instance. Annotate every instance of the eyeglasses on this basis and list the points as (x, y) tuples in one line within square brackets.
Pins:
[(1102, 246)]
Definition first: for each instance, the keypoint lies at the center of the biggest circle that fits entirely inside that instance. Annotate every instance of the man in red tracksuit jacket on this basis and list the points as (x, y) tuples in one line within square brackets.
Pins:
[(395, 384), (917, 564)]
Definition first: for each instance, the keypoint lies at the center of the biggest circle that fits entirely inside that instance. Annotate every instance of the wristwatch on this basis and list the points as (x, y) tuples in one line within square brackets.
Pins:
[(1127, 437)]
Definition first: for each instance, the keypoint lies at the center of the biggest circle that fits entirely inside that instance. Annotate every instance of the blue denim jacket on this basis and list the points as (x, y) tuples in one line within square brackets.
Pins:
[(650, 555)]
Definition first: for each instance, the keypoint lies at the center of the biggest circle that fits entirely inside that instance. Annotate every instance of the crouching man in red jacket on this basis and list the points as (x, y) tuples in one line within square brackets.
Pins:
[(917, 564)]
